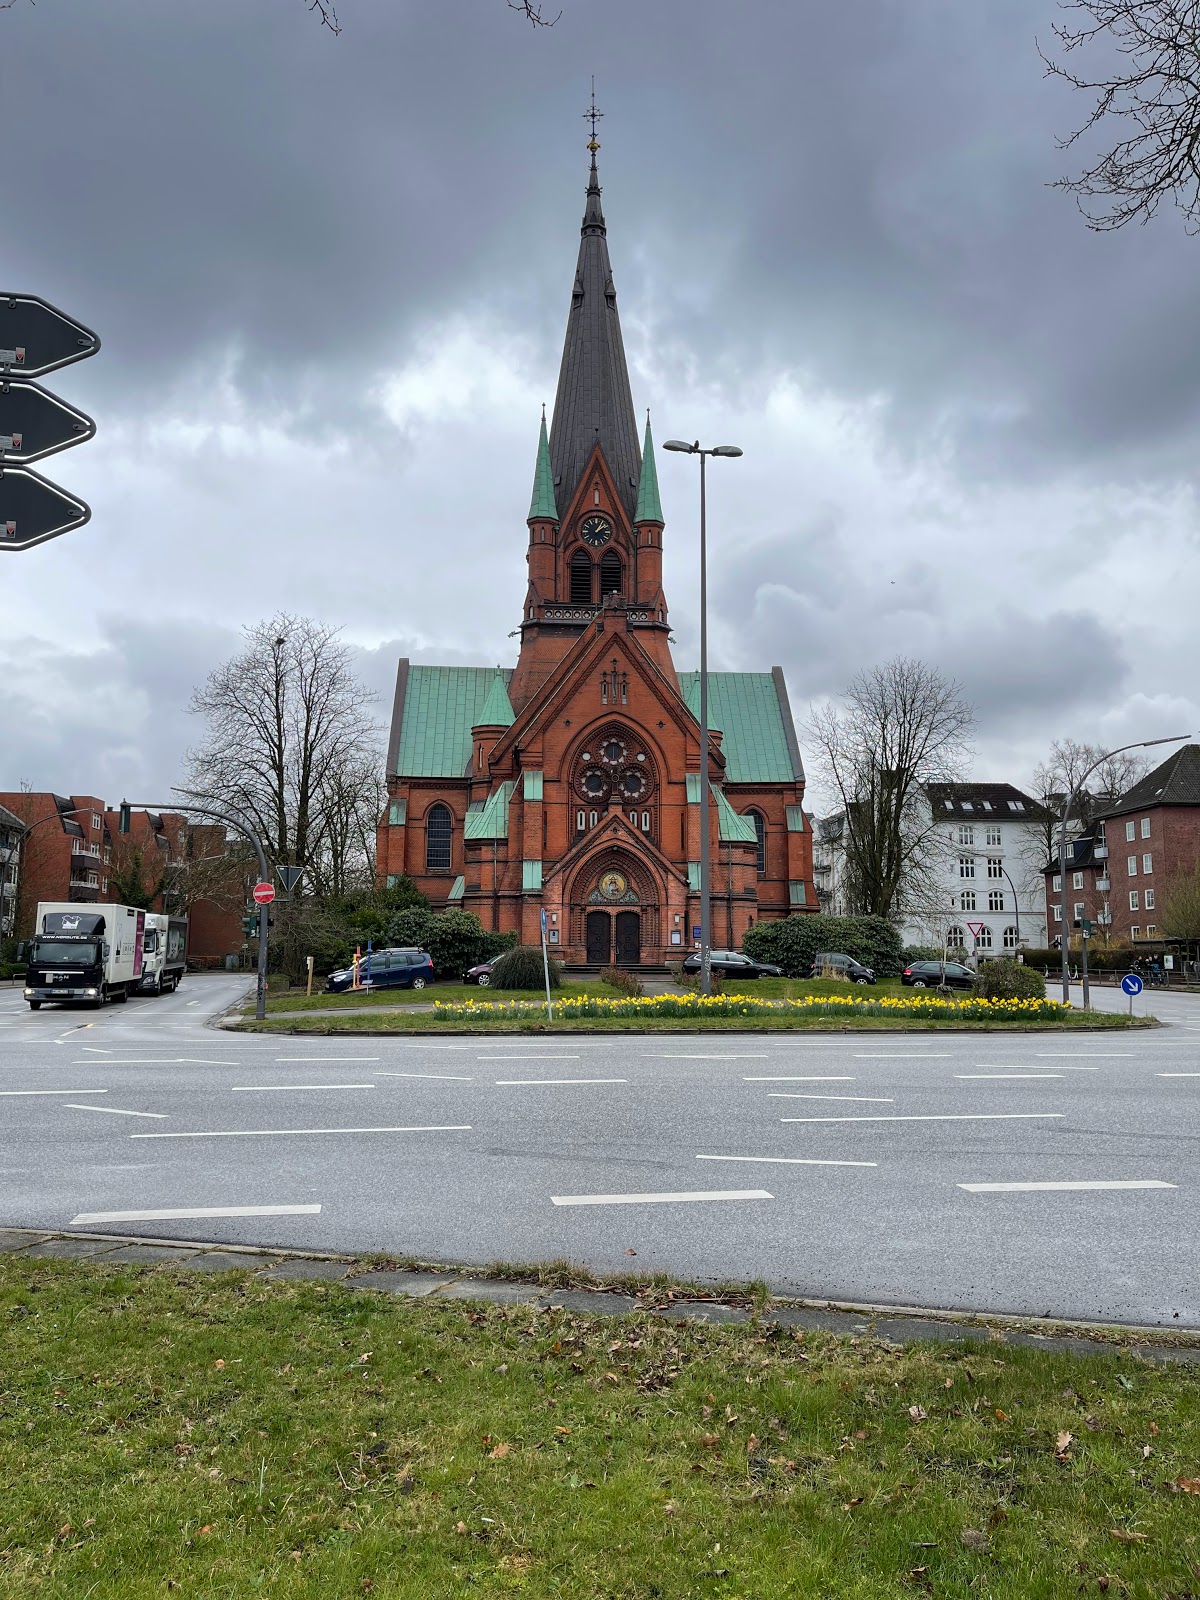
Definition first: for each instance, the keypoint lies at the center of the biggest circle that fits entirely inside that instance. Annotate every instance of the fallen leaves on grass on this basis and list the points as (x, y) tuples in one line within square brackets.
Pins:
[(917, 1413), (1127, 1536), (975, 1539), (1062, 1446), (1186, 1485), (499, 1452)]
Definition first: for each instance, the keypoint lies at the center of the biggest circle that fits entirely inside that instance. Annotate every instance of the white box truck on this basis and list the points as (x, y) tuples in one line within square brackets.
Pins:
[(84, 953), (164, 952)]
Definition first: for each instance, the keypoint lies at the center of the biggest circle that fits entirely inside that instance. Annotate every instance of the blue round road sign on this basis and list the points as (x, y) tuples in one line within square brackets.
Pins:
[(1131, 983)]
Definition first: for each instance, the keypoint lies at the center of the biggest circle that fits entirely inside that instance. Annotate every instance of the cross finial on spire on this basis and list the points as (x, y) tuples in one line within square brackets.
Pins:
[(593, 116)]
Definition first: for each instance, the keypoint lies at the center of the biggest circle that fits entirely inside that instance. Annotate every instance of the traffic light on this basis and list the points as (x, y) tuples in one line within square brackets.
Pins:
[(123, 818), (250, 925)]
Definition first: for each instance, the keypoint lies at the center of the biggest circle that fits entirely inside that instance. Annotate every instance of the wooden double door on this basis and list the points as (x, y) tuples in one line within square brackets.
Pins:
[(614, 937)]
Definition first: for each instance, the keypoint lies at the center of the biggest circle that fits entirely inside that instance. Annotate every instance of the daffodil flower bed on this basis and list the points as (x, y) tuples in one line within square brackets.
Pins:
[(834, 1007)]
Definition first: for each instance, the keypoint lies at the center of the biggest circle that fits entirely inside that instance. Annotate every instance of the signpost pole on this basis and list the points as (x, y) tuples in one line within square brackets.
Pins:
[(546, 968), (1087, 994)]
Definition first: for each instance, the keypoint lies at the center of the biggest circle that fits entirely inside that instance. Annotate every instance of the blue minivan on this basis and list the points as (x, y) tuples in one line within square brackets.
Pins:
[(385, 969)]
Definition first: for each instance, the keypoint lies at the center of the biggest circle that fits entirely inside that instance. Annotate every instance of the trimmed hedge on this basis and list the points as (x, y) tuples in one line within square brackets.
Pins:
[(1009, 980), (792, 943), (456, 940), (1117, 958), (522, 968)]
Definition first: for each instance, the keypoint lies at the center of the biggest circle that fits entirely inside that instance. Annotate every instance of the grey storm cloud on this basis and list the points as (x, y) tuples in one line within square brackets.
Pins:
[(331, 277)]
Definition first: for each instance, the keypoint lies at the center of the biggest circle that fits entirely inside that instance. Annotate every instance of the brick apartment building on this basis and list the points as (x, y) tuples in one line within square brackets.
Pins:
[(1120, 868), (69, 846)]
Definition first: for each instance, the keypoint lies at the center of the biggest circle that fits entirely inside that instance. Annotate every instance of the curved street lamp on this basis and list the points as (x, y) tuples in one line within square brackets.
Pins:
[(705, 795)]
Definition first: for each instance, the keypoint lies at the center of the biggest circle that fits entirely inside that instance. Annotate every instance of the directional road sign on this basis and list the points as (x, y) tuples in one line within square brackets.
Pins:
[(32, 509), (1131, 984), (36, 337), (35, 423), (263, 893)]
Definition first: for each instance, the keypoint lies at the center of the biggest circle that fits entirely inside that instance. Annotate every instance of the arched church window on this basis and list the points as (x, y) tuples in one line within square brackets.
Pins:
[(610, 574), (581, 578), (760, 839), (439, 830)]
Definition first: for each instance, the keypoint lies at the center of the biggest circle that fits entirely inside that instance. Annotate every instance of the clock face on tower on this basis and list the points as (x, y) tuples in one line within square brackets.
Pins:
[(595, 531)]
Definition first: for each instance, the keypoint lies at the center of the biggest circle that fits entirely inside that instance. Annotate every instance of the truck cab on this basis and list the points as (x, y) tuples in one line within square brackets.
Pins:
[(84, 955)]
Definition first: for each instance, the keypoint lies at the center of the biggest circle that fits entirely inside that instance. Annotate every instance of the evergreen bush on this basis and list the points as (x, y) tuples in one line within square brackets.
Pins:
[(456, 940), (1009, 980), (522, 968), (792, 942)]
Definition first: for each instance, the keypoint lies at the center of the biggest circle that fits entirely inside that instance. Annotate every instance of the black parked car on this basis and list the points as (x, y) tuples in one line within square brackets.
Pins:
[(732, 964), (385, 969), (929, 975), (833, 964)]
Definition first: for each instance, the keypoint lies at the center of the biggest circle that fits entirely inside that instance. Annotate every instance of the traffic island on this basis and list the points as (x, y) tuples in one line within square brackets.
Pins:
[(221, 1433)]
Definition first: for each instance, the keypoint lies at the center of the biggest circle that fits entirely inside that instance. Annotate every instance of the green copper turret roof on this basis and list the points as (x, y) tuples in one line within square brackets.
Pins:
[(542, 504), (497, 708), (649, 506)]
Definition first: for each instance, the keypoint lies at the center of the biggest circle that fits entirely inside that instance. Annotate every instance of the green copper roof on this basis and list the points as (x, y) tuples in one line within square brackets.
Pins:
[(441, 706), (745, 706), (649, 506), (732, 828), (542, 505), (492, 821), (497, 708)]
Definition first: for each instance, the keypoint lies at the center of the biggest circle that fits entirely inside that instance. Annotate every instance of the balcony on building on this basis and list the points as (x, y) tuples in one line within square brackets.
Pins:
[(1103, 885)]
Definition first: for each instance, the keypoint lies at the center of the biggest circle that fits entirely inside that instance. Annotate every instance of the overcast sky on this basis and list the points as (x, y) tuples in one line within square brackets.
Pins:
[(331, 276)]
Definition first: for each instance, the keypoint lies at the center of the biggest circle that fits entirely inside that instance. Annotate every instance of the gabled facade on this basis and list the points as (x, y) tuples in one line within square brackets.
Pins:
[(572, 781)]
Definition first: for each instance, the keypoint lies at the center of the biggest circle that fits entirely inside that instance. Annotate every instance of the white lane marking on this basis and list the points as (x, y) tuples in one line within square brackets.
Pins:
[(156, 1061), (517, 1083), (279, 1088), (1036, 1076), (872, 1099), (1031, 1188), (8, 1092), (907, 1056), (319, 1060), (1085, 1055), (257, 1133), (659, 1199), (792, 1079), (760, 1056), (526, 1058), (1177, 1074), (443, 1077), (791, 1161), (86, 1217), (95, 1050), (957, 1116), (113, 1111), (193, 1002)]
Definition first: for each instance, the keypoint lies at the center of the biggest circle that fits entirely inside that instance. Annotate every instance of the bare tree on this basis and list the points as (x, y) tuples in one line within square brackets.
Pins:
[(342, 857), (287, 729), (1063, 772), (1149, 91), (900, 726), (1179, 909)]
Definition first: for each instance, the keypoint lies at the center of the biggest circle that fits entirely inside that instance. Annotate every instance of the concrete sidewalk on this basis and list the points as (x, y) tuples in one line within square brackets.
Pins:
[(893, 1325)]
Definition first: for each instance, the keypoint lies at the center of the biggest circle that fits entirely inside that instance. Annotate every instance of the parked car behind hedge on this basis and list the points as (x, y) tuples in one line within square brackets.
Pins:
[(793, 942)]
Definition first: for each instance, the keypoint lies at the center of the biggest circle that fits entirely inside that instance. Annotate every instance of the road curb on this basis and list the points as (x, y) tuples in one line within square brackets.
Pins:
[(894, 1324)]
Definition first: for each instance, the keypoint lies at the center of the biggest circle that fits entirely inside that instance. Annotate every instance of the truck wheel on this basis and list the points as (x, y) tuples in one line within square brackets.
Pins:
[(35, 1005), (121, 996)]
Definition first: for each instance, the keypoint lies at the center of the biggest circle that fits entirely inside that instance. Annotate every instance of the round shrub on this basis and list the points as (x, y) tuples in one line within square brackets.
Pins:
[(1009, 980), (521, 968)]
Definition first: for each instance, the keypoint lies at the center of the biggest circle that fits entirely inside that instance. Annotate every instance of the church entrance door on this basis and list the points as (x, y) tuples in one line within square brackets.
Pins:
[(599, 938), (629, 938)]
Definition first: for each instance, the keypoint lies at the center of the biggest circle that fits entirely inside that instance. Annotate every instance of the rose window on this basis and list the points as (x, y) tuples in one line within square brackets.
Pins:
[(594, 784), (613, 751), (614, 769), (634, 783)]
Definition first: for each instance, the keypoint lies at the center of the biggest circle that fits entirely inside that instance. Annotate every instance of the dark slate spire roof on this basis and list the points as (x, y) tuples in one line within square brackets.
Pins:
[(593, 404)]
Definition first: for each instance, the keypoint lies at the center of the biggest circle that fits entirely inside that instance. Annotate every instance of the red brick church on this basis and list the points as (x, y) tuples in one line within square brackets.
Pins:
[(572, 780)]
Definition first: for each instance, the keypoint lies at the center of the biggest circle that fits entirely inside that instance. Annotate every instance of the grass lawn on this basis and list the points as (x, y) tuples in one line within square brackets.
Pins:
[(169, 1433), (445, 992)]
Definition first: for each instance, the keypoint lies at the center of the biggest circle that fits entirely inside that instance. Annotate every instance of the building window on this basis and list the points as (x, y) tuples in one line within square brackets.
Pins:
[(996, 900), (1131, 866), (1147, 863), (1011, 938), (955, 939), (1133, 900), (439, 828), (1129, 829), (1077, 880), (993, 834), (1148, 901), (984, 939), (1016, 805), (966, 833), (966, 900), (1150, 931), (995, 867), (97, 822), (581, 578), (581, 821), (593, 818), (1057, 913), (966, 866), (645, 822), (1056, 884), (1135, 932), (760, 838), (610, 574), (1077, 910), (1145, 827)]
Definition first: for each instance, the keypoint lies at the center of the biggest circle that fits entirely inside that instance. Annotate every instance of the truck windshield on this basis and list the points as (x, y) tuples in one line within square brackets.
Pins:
[(150, 942), (65, 952)]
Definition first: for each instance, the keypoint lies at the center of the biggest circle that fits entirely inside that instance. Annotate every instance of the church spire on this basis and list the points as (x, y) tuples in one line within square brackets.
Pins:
[(593, 404), (649, 506), (542, 506)]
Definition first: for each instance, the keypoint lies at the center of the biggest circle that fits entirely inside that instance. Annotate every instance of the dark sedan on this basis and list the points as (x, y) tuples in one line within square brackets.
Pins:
[(480, 974), (385, 969), (938, 974), (732, 964)]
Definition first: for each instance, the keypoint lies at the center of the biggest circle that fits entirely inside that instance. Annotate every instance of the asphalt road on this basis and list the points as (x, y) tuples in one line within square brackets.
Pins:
[(830, 1166)]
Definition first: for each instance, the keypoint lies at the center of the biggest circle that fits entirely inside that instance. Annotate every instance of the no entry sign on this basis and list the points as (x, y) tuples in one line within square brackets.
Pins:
[(264, 893)]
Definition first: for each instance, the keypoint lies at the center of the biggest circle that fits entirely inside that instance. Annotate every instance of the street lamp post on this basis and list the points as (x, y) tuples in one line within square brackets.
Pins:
[(705, 794), (1140, 744)]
